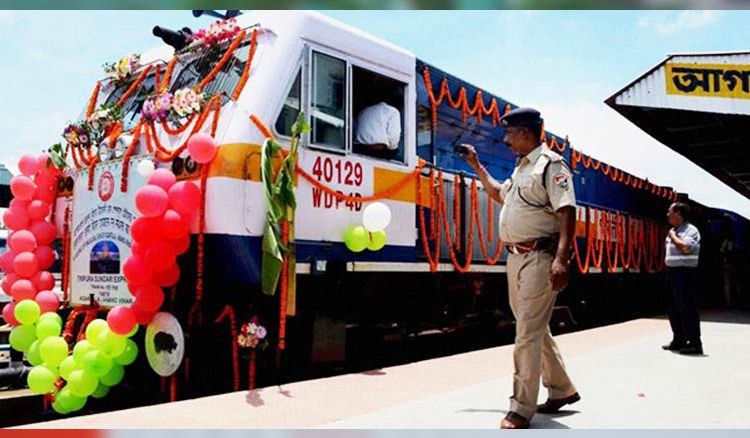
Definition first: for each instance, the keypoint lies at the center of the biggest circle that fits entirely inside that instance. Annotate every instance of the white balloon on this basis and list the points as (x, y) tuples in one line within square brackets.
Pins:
[(146, 168), (376, 217)]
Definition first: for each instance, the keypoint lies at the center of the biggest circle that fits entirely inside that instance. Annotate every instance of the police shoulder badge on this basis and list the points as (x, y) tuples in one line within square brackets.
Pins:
[(561, 180)]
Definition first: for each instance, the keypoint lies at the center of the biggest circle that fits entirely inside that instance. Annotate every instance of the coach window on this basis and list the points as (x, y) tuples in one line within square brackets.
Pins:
[(378, 115), (290, 108), (328, 102)]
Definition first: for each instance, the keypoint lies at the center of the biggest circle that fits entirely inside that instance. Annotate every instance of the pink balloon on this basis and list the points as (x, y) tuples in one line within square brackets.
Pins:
[(22, 187), (17, 203), (22, 241), (45, 256), (136, 271), (23, 290), (160, 255), (151, 200), (46, 194), (173, 225), (43, 280), (44, 231), (168, 277), (6, 261), (202, 148), (8, 314), (28, 165), (47, 301), (38, 209), (142, 317), (121, 320), (163, 178), (181, 245), (185, 198), (145, 229), (16, 218), (149, 298), (42, 161), (8, 282), (25, 265)]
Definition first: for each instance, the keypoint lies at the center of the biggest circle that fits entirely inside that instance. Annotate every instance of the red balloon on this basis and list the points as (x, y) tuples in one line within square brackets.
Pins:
[(22, 187), (6, 261), (8, 314), (25, 265), (17, 203), (151, 200), (23, 290), (185, 198), (136, 271), (163, 178), (142, 317), (121, 320), (38, 209), (173, 225), (22, 241), (16, 218), (8, 282), (160, 255), (42, 166), (139, 249), (167, 277), (202, 148), (45, 255), (47, 301), (45, 232), (46, 194), (149, 298), (133, 289), (181, 245), (145, 229), (28, 165), (43, 280)]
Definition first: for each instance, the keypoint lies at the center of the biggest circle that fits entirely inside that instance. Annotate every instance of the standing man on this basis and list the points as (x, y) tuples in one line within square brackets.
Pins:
[(683, 246), (537, 223)]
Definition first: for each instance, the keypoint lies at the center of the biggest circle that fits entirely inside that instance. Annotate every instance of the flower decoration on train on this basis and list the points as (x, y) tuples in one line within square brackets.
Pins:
[(121, 70), (77, 135), (158, 107), (94, 128), (217, 33), (252, 335), (187, 102), (173, 107)]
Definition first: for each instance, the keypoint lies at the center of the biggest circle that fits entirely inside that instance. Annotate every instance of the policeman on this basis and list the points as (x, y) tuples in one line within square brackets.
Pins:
[(537, 224)]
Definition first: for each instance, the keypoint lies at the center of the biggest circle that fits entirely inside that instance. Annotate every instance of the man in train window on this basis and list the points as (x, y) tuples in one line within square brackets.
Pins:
[(378, 131), (683, 244), (537, 223)]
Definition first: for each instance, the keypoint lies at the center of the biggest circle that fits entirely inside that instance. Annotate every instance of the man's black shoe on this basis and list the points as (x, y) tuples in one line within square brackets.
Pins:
[(692, 349), (553, 405), (674, 346)]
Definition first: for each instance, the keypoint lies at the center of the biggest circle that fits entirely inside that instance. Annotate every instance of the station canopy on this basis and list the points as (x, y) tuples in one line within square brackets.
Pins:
[(699, 106)]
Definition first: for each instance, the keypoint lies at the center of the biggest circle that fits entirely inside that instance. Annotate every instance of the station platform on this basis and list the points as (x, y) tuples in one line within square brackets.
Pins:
[(624, 377)]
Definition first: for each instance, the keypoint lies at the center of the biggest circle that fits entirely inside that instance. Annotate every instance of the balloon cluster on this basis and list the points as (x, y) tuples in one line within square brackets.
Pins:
[(371, 235), (29, 255)]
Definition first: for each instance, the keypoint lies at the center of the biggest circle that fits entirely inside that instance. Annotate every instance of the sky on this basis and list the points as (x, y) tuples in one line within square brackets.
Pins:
[(564, 63)]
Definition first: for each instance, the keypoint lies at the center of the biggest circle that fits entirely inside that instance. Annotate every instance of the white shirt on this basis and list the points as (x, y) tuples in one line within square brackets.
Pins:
[(379, 124)]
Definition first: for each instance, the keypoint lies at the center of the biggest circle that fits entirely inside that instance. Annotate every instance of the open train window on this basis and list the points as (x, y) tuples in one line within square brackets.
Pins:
[(131, 108), (328, 102), (291, 107), (378, 115)]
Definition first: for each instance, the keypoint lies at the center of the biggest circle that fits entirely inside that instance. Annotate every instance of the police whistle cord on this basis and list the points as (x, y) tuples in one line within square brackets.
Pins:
[(479, 109)]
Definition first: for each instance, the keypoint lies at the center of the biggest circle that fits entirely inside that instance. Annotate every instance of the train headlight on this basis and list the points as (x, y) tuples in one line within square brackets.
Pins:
[(104, 152), (122, 144)]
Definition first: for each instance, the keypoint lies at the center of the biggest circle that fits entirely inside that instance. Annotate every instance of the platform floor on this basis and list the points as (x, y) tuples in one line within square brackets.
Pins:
[(625, 379)]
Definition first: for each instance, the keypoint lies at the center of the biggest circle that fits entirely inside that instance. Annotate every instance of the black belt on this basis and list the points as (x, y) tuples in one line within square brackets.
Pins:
[(541, 244)]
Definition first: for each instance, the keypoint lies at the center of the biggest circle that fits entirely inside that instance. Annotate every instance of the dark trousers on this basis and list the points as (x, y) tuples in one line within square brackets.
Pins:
[(683, 314)]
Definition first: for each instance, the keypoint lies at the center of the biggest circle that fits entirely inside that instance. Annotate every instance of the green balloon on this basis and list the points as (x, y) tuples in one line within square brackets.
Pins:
[(132, 332), (81, 348), (110, 343), (94, 328), (67, 366), (51, 316), (114, 376), (22, 336), (97, 363), (377, 240), (101, 391), (53, 350), (129, 355), (46, 328), (69, 401), (32, 355), (355, 238), (41, 380), (27, 312), (57, 406), (82, 383)]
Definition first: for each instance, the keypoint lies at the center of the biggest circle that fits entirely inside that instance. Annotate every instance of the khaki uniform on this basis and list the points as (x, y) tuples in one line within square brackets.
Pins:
[(529, 213)]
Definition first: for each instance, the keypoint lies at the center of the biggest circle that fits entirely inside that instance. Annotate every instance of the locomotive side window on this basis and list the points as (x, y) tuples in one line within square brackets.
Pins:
[(291, 108), (328, 102)]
